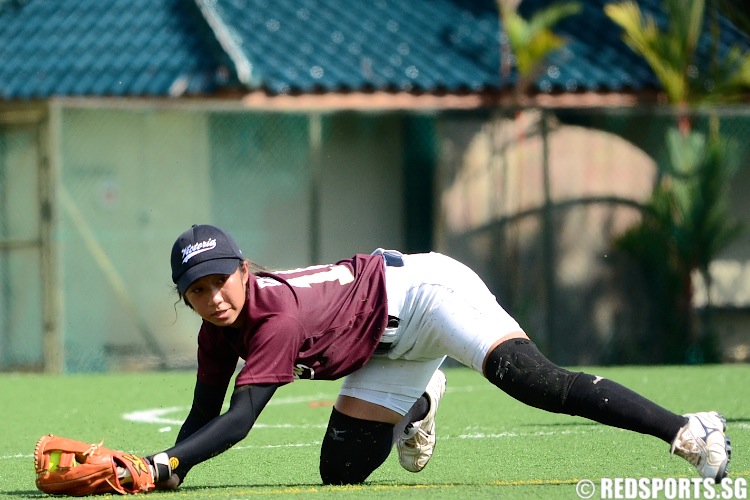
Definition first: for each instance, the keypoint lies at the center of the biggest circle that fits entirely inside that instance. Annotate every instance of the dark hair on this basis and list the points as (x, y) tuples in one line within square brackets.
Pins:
[(253, 267)]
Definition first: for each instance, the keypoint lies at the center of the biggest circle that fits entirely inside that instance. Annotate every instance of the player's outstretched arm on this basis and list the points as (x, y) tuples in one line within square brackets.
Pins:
[(207, 402), (222, 432)]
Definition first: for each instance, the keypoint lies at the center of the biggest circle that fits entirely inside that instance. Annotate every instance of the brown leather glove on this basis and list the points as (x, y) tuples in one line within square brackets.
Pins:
[(69, 467)]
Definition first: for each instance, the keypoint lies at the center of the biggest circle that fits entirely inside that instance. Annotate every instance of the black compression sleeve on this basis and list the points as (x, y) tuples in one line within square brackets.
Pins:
[(207, 401), (224, 431)]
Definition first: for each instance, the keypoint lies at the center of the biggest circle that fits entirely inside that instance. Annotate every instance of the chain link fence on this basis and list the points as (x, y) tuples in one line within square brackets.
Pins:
[(92, 197)]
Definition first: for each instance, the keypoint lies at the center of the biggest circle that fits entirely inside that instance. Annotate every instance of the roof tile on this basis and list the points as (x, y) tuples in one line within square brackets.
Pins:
[(156, 47), (94, 47)]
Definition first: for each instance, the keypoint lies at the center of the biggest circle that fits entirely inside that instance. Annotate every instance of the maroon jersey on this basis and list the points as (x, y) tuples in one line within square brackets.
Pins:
[(320, 322)]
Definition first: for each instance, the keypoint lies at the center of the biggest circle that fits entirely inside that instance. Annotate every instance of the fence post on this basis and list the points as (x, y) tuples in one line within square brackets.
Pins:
[(49, 159), (548, 243)]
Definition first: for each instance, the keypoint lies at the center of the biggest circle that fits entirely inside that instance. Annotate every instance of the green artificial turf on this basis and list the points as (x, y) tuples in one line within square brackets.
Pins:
[(489, 445)]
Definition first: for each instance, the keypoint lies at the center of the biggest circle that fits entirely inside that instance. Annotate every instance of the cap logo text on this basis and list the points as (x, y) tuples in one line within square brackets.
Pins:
[(191, 251)]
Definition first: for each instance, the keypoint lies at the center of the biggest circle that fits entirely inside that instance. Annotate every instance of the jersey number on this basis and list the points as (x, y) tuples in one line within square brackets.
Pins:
[(342, 274)]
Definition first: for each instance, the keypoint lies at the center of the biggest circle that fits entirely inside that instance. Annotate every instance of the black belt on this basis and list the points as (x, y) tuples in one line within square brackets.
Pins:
[(383, 347), (392, 258)]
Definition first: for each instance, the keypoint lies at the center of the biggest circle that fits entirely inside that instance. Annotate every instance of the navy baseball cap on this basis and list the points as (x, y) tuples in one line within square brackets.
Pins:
[(203, 250)]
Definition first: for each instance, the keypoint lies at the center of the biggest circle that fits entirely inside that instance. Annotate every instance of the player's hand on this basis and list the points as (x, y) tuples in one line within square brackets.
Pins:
[(170, 484)]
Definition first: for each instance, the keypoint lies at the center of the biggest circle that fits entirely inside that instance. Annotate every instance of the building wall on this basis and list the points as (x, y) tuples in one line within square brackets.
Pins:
[(21, 313), (131, 181), (555, 270), (561, 285)]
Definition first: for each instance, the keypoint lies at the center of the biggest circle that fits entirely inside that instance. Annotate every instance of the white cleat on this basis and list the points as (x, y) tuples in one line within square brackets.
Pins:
[(702, 442), (418, 442)]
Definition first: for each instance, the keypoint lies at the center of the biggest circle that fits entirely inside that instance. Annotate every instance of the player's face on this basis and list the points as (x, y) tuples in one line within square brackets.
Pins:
[(219, 298)]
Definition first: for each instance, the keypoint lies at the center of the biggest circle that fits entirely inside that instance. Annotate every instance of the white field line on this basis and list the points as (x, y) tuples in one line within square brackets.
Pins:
[(158, 415), (470, 435), (473, 435)]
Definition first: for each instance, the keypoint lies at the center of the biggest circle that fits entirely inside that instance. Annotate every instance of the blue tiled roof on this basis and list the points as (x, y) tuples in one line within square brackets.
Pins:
[(189, 47), (105, 47), (309, 45)]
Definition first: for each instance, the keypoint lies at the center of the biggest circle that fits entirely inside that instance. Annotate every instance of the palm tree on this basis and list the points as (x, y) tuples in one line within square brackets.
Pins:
[(531, 41), (687, 222), (671, 54)]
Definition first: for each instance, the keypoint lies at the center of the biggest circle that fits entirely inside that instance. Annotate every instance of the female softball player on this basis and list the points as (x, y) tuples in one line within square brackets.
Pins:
[(384, 322)]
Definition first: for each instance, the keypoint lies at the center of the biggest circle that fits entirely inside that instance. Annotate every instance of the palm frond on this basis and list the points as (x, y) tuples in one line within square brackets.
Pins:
[(532, 40)]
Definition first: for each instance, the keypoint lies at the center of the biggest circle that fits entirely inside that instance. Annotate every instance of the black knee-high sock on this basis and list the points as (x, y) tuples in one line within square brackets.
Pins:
[(610, 403), (517, 367), (352, 448)]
